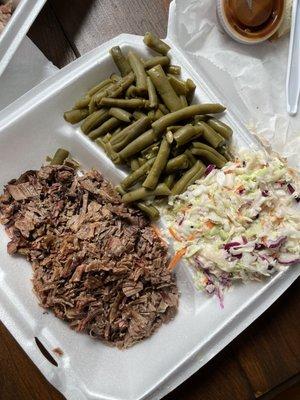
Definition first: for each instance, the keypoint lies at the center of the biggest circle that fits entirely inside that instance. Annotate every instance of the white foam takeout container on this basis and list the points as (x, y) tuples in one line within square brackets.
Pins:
[(10, 38), (33, 127)]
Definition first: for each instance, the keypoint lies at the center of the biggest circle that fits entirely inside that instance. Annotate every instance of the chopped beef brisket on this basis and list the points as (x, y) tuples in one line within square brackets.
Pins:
[(97, 263)]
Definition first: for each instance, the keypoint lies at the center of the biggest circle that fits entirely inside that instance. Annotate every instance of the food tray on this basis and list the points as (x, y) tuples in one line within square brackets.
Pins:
[(33, 127), (17, 27)]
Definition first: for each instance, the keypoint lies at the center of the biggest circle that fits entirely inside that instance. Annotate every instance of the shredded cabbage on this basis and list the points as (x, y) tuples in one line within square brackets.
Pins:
[(238, 223)]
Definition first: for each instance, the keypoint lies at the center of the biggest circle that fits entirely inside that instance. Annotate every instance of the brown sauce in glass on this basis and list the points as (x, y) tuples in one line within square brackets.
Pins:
[(255, 22)]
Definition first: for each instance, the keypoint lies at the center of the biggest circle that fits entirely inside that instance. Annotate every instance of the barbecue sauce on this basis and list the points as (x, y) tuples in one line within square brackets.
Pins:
[(254, 19)]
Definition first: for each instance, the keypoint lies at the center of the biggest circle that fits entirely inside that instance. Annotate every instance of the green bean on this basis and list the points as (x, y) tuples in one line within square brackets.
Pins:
[(184, 102), (140, 143), (158, 166), (102, 93), (150, 210), (137, 126), (143, 193), (152, 41), (178, 85), (151, 151), (151, 62), (116, 131), (59, 157), (125, 103), (174, 128), (192, 159), (138, 115), (94, 120), (198, 118), (142, 161), (191, 88), (176, 163), (203, 146), (98, 87), (200, 145), (130, 133), (92, 106), (163, 109), (221, 128), (225, 152), (134, 164), (120, 86), (131, 91), (211, 157), (170, 119), (181, 185), (174, 69), (138, 174), (197, 176), (169, 180), (101, 143), (211, 136), (187, 133), (139, 70), (120, 190), (75, 116), (106, 127), (83, 102), (121, 114), (152, 93), (116, 77), (120, 60), (164, 88), (69, 162), (112, 154), (169, 137), (151, 115), (158, 114), (113, 89), (107, 138)]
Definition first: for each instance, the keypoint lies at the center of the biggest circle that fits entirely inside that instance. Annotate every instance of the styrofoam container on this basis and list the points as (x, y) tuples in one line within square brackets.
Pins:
[(33, 127), (10, 38)]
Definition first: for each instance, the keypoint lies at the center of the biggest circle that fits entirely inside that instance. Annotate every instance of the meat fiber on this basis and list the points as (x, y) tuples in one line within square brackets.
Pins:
[(97, 263), (6, 11)]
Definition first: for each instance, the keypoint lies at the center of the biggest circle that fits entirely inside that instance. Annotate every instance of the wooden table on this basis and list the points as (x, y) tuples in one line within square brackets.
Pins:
[(264, 361)]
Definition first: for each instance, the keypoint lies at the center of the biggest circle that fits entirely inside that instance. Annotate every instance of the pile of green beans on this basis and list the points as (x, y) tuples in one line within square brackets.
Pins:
[(145, 117)]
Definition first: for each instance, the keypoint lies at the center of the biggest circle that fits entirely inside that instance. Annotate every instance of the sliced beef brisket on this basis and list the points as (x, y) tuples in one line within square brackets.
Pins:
[(97, 263)]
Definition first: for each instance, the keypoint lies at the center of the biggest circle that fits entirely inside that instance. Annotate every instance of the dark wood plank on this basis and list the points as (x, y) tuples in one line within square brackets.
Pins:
[(221, 379), (288, 390), (48, 35), (87, 24), (291, 393), (20, 379), (269, 350)]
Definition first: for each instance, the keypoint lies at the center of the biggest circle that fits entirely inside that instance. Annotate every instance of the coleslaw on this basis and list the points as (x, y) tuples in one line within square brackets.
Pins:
[(238, 223)]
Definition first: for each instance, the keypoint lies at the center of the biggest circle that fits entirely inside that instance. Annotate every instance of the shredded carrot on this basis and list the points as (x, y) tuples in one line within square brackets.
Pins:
[(159, 233), (174, 235), (156, 230), (191, 236), (229, 170), (177, 257), (186, 208), (209, 224)]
